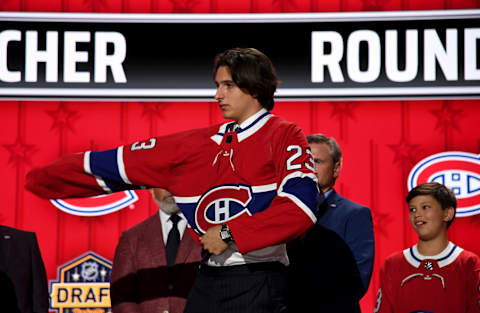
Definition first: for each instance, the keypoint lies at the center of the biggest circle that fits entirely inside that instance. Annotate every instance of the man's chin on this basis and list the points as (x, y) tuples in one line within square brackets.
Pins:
[(226, 115), (169, 207)]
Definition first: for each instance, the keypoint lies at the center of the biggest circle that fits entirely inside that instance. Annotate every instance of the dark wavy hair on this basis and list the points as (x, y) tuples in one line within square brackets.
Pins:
[(252, 71), (442, 194)]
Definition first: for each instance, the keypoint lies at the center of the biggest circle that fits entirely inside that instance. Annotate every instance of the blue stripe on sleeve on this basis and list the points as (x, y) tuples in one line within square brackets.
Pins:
[(261, 201), (305, 189), (104, 164)]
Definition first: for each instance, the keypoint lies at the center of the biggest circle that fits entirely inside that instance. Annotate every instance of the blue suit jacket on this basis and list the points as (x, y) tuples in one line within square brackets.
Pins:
[(331, 266), (353, 223)]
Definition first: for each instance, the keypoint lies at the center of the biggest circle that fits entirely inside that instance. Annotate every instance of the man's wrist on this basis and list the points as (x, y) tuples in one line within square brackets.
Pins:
[(226, 234)]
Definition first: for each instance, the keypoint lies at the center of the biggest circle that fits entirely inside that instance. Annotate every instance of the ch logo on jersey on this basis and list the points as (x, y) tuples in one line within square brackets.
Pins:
[(221, 204), (459, 171), (98, 205)]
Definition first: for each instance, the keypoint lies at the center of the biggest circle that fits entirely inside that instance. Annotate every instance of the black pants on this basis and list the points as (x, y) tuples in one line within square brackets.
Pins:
[(252, 288)]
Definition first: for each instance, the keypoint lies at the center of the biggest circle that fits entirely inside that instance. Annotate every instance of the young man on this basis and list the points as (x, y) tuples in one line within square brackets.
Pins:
[(344, 229), (245, 187), (435, 275)]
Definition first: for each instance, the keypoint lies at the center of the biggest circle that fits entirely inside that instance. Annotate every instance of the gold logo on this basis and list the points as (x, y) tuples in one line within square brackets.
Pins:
[(83, 286)]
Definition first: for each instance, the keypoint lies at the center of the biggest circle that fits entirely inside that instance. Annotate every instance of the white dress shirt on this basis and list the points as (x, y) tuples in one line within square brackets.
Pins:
[(167, 224)]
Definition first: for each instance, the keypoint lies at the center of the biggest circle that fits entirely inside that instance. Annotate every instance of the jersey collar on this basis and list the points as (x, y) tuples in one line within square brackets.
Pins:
[(248, 127), (444, 258)]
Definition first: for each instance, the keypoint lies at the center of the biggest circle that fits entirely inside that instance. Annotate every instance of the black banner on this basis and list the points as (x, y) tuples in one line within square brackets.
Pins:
[(370, 55)]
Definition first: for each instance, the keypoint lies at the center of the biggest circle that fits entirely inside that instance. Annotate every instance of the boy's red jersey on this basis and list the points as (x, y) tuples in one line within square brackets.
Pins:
[(445, 283)]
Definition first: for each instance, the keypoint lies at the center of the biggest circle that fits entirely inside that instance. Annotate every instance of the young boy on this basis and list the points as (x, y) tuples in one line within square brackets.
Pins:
[(435, 275)]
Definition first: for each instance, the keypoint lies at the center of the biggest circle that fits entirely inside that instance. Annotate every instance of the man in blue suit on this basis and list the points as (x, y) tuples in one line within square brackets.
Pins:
[(331, 266)]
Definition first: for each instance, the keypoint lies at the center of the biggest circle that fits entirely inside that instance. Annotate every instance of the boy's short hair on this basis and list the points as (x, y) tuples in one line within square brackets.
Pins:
[(252, 71), (442, 194)]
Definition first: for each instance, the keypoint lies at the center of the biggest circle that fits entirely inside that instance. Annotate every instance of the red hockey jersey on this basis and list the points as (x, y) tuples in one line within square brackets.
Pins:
[(445, 283), (259, 179)]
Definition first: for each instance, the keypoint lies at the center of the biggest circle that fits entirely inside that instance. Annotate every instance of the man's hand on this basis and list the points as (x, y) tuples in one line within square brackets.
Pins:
[(212, 242)]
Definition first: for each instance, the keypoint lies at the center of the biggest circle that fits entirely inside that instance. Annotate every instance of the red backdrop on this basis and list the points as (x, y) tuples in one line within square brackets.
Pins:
[(381, 140)]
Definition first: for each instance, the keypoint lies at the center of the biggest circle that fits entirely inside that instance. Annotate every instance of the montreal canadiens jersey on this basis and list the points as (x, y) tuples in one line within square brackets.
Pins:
[(260, 179), (445, 283)]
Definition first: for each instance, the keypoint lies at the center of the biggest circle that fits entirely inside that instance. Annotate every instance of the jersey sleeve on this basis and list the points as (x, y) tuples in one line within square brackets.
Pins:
[(139, 165), (384, 302), (473, 285), (293, 209)]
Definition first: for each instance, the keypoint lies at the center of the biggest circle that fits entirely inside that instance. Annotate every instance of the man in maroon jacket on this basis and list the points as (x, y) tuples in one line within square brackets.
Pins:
[(143, 278)]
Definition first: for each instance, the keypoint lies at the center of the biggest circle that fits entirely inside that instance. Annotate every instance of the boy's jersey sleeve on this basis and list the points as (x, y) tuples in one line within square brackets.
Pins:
[(384, 304), (293, 209), (141, 164), (473, 285)]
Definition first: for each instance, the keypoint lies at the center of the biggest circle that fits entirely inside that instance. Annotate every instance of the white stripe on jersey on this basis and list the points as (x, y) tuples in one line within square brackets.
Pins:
[(293, 198), (250, 131), (255, 189), (121, 166), (88, 170), (441, 258), (86, 163), (218, 138), (264, 188), (451, 258), (193, 199), (245, 125)]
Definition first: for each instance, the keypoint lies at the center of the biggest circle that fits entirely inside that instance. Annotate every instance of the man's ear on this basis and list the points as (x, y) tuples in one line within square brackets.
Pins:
[(337, 167)]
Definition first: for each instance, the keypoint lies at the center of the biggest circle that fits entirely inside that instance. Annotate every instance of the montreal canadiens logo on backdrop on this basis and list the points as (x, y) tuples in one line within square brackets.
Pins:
[(459, 171), (221, 204), (98, 205)]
